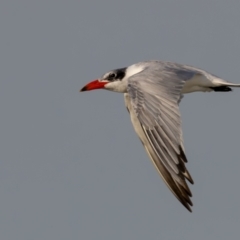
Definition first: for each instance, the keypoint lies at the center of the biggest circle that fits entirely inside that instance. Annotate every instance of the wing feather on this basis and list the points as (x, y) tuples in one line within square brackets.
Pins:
[(152, 99)]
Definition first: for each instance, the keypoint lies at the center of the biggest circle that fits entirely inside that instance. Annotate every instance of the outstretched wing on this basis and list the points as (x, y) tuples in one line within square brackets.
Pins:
[(152, 99)]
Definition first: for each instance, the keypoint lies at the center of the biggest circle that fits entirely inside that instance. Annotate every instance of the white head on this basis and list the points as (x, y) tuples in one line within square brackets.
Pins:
[(115, 80)]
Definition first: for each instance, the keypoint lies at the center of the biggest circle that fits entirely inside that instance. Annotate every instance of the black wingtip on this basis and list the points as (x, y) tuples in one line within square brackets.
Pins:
[(221, 89)]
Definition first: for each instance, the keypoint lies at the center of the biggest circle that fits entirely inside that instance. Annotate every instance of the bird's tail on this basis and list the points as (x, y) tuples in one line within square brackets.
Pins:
[(224, 86), (233, 84)]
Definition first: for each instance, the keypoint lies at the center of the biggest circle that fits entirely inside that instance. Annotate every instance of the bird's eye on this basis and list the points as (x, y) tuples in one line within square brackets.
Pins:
[(111, 76)]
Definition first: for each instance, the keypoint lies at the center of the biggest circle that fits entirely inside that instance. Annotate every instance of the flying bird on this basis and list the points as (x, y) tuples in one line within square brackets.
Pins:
[(152, 93)]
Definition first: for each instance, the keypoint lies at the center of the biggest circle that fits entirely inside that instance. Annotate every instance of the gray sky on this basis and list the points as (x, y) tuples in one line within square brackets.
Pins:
[(71, 164)]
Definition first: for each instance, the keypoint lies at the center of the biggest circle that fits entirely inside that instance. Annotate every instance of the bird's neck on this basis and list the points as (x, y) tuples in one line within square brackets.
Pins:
[(117, 86)]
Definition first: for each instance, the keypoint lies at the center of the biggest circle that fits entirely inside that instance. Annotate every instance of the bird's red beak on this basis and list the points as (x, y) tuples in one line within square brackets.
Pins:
[(93, 85)]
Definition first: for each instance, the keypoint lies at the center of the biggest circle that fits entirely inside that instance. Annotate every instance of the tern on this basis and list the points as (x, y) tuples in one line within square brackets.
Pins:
[(152, 93)]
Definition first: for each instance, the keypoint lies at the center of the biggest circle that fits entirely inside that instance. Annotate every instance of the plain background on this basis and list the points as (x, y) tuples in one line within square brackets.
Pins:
[(71, 165)]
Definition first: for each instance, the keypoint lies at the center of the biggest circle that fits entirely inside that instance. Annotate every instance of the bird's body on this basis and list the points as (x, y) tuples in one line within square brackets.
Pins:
[(152, 91)]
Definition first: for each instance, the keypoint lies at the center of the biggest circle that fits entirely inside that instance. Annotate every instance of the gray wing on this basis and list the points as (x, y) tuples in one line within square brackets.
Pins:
[(152, 99)]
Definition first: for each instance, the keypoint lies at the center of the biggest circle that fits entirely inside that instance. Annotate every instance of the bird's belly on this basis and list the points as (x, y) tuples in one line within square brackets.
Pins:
[(198, 83), (189, 89)]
